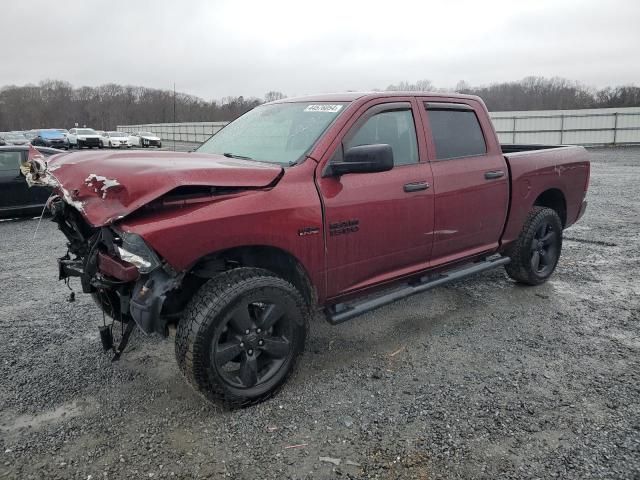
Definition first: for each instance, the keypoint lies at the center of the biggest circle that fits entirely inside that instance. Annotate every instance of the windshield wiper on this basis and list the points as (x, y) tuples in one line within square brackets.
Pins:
[(239, 157)]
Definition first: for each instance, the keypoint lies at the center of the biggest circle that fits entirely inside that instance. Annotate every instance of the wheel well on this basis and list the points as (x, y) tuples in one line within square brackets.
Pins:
[(273, 259), (553, 199)]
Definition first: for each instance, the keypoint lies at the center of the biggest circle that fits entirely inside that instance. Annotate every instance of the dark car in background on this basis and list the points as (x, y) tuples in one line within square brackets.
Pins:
[(16, 198), (50, 138), (14, 138)]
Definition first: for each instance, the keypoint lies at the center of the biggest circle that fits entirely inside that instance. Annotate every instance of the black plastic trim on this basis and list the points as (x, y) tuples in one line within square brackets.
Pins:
[(342, 312)]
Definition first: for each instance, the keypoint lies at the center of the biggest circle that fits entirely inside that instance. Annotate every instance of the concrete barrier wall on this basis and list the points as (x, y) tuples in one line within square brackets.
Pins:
[(182, 132), (603, 126)]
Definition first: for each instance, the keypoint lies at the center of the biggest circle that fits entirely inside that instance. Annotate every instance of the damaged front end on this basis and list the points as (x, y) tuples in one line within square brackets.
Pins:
[(125, 274), (95, 191), (118, 265), (118, 268)]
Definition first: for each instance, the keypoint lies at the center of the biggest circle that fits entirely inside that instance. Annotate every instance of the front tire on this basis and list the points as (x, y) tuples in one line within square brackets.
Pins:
[(535, 253), (241, 335)]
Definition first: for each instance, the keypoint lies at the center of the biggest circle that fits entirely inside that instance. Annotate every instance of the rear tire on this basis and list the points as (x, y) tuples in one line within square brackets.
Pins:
[(535, 253), (241, 335)]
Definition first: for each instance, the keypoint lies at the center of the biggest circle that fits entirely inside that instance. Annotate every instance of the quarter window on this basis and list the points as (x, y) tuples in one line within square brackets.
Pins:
[(456, 133), (395, 128)]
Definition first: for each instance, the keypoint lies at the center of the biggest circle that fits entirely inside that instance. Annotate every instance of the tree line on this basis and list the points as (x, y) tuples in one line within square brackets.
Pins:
[(538, 93), (57, 104)]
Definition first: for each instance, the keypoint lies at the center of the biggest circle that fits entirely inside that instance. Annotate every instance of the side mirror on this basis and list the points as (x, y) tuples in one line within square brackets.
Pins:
[(364, 159)]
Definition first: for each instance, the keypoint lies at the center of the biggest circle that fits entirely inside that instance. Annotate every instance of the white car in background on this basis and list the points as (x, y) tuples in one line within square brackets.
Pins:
[(83, 137), (115, 139), (145, 139)]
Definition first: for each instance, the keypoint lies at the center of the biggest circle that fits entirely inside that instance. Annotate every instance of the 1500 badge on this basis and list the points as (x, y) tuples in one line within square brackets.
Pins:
[(342, 228)]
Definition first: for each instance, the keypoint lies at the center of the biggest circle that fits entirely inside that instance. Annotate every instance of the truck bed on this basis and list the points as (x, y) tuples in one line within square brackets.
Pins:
[(515, 148), (535, 169)]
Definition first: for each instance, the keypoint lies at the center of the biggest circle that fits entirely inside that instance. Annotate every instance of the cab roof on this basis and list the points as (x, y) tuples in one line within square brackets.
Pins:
[(352, 96)]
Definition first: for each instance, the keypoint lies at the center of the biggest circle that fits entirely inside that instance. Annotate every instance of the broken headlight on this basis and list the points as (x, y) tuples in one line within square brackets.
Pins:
[(135, 251)]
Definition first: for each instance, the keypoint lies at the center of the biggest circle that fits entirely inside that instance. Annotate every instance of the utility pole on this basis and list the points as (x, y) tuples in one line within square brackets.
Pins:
[(174, 116)]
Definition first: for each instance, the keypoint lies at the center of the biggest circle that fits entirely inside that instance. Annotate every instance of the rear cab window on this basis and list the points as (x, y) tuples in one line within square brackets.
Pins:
[(455, 130)]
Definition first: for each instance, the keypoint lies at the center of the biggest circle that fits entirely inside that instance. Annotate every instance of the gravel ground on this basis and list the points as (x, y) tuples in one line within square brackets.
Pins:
[(480, 379)]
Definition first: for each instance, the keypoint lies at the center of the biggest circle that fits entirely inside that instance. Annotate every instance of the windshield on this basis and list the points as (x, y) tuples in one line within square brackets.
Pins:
[(117, 134), (279, 133), (86, 131), (51, 134)]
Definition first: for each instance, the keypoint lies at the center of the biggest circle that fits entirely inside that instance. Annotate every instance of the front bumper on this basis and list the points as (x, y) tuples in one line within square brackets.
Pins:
[(62, 144), (89, 142)]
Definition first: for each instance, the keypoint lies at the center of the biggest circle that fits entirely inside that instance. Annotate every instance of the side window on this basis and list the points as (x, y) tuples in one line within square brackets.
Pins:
[(395, 128), (456, 133), (9, 161)]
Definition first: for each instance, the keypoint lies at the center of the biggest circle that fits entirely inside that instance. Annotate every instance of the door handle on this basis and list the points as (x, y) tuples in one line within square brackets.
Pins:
[(493, 174), (416, 186)]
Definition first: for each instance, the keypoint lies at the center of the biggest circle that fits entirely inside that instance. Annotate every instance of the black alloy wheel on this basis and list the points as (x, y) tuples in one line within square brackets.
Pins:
[(253, 343), (535, 253), (241, 335), (544, 249)]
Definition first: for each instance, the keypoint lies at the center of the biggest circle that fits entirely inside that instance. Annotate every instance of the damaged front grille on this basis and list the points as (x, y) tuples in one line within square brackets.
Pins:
[(84, 245)]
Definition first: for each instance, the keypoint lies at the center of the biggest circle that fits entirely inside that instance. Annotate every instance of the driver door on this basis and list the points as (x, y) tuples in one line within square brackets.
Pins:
[(379, 226)]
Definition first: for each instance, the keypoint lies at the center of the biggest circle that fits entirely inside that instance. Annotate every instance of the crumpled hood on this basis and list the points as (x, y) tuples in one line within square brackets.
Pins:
[(105, 187)]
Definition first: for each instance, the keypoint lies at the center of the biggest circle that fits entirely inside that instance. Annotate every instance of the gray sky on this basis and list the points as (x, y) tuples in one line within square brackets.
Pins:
[(221, 48)]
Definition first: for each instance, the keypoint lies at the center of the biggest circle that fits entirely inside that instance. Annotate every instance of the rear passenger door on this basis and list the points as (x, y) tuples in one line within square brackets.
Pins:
[(471, 182)]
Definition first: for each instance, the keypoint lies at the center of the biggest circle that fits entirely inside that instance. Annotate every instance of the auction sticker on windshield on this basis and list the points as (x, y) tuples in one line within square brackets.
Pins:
[(323, 108)]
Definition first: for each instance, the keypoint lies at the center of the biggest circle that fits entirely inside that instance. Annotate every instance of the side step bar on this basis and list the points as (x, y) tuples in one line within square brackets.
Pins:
[(341, 312)]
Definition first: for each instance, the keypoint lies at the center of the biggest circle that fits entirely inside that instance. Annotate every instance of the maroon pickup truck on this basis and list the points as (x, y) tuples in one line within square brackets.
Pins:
[(335, 204)]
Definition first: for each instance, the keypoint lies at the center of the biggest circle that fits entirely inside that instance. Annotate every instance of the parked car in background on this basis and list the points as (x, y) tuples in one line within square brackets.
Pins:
[(63, 131), (16, 198), (14, 138), (103, 137), (145, 139), (30, 134), (83, 137), (2, 142), (115, 140), (50, 138)]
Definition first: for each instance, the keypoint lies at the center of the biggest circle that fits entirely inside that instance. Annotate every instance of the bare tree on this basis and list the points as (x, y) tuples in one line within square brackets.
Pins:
[(273, 95), (419, 86)]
